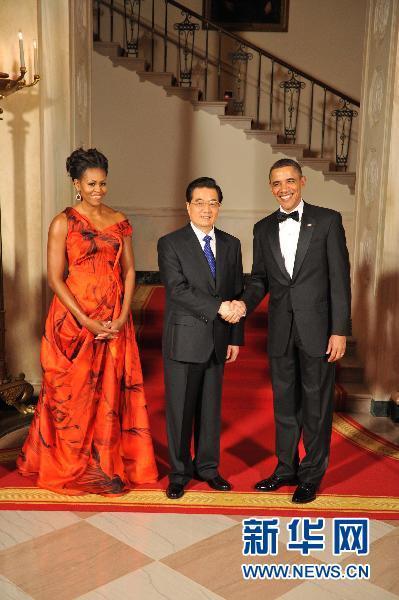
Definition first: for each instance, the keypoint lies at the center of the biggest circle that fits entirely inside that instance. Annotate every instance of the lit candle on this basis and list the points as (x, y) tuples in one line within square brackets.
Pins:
[(35, 59), (21, 50)]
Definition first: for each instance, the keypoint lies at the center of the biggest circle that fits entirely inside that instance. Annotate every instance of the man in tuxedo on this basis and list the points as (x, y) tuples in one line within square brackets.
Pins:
[(300, 257), (201, 268)]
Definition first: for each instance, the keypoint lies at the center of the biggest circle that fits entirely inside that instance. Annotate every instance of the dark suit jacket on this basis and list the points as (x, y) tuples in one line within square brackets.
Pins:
[(192, 327), (318, 293)]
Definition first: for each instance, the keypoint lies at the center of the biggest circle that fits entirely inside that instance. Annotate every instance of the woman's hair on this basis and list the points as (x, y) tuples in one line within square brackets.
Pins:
[(80, 160)]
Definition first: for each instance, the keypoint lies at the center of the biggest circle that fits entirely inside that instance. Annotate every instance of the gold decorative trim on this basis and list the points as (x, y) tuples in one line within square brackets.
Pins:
[(363, 439), (205, 500)]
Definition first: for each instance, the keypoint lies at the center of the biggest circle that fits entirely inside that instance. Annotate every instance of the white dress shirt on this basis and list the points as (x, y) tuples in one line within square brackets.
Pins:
[(200, 235), (289, 234)]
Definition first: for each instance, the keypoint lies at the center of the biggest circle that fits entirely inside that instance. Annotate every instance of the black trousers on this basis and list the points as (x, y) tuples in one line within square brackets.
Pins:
[(193, 401), (303, 388)]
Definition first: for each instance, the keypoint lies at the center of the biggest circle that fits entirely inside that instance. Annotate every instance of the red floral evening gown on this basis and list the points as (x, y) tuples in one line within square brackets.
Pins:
[(90, 432)]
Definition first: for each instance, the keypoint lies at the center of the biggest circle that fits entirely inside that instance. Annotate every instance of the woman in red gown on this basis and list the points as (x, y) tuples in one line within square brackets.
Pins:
[(90, 432)]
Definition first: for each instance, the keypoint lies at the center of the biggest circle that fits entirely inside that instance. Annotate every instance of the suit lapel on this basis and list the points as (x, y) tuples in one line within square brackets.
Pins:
[(221, 255), (274, 241), (194, 246), (305, 235)]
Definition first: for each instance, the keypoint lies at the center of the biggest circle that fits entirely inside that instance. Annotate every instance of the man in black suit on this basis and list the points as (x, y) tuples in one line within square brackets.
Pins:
[(301, 258), (201, 268)]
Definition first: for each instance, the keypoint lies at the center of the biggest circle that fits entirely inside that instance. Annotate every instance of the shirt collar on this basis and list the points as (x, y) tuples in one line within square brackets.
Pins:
[(299, 208), (200, 234)]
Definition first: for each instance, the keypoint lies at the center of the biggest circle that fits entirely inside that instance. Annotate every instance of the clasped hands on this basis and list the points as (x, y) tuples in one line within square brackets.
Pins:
[(232, 311), (109, 331), (104, 330)]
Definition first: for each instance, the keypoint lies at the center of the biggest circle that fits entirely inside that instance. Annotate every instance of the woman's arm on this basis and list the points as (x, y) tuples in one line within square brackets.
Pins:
[(129, 278), (55, 274)]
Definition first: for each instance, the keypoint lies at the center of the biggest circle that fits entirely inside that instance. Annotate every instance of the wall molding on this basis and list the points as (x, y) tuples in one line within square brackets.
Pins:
[(172, 211)]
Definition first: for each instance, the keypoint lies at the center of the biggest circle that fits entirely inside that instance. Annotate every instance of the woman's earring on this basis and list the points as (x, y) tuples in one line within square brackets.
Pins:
[(78, 197)]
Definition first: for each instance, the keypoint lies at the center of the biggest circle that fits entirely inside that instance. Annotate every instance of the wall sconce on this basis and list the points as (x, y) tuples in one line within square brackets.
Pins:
[(9, 86)]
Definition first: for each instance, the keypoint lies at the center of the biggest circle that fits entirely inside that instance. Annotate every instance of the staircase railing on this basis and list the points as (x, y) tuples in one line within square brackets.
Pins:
[(278, 97)]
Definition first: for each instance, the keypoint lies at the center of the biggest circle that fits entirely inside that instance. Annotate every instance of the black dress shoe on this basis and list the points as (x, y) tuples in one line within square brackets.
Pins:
[(305, 492), (272, 483), (175, 491), (218, 483)]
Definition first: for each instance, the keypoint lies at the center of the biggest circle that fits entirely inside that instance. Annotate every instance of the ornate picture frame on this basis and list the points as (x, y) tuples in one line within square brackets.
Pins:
[(248, 15)]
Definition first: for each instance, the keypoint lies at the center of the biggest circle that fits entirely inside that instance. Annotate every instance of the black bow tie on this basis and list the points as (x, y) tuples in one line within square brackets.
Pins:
[(281, 217)]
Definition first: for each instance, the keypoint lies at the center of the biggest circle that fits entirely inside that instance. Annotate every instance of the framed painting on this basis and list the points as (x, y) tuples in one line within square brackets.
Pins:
[(248, 15)]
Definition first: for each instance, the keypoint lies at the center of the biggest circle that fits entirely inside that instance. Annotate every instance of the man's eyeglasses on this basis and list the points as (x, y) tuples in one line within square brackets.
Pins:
[(203, 203)]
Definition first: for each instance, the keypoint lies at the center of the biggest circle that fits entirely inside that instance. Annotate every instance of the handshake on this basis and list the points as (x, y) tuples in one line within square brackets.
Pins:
[(232, 311)]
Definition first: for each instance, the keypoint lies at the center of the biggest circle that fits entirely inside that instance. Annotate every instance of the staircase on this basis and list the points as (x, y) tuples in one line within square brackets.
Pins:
[(275, 139)]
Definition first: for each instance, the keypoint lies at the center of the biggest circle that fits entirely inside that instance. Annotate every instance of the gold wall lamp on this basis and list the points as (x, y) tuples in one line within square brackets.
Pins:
[(7, 85)]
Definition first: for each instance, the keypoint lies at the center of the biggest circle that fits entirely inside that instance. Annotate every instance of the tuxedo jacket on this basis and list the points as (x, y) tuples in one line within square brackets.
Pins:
[(317, 294), (192, 327)]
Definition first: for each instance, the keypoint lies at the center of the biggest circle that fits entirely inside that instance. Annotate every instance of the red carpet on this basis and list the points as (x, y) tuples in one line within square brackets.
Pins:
[(363, 476)]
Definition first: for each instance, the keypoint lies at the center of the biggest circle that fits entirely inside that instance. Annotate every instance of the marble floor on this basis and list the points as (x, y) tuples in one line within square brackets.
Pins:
[(54, 555)]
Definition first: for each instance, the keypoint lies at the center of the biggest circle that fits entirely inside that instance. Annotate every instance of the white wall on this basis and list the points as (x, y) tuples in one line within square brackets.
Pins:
[(156, 144), (20, 195)]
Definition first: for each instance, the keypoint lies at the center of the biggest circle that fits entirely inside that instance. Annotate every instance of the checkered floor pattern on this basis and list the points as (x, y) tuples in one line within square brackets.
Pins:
[(50, 555)]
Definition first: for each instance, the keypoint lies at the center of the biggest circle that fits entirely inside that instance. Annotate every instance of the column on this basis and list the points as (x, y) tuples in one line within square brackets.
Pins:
[(376, 258)]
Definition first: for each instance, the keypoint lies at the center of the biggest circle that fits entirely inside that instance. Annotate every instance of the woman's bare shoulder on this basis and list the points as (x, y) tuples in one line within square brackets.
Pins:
[(114, 215), (59, 225)]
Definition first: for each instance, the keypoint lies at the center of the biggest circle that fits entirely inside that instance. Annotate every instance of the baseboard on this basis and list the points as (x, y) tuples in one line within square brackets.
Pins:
[(394, 411), (381, 408), (153, 277)]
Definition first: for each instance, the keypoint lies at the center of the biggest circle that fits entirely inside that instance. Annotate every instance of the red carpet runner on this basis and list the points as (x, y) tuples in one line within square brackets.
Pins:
[(363, 476)]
